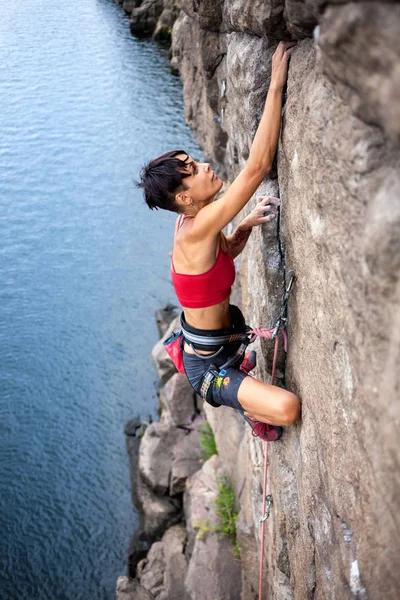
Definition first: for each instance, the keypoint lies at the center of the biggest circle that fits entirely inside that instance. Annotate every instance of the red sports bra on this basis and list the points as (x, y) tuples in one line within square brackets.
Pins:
[(205, 289)]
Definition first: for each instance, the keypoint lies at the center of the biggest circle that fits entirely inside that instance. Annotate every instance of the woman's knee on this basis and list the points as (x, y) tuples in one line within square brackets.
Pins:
[(290, 409)]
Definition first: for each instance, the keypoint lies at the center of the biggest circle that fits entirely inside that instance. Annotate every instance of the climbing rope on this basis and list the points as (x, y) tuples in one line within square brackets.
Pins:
[(271, 334)]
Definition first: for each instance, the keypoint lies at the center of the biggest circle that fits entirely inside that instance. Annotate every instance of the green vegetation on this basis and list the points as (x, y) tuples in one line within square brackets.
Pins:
[(227, 516), (203, 527), (225, 510), (207, 442)]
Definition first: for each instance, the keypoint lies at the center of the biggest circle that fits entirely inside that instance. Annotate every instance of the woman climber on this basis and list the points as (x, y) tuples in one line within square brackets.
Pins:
[(203, 271)]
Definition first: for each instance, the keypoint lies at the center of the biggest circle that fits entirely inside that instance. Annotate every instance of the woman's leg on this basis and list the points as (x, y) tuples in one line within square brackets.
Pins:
[(268, 403)]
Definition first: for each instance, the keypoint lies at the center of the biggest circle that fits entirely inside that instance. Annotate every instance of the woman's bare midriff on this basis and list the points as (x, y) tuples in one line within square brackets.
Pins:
[(212, 317)]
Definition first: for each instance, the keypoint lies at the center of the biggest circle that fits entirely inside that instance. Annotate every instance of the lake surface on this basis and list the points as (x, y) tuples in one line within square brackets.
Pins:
[(83, 266)]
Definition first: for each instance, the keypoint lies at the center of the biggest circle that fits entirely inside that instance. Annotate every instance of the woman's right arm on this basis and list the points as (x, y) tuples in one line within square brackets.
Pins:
[(217, 215)]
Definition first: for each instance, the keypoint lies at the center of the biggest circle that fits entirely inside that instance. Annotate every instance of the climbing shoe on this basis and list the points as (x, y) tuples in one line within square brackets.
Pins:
[(249, 361), (264, 431)]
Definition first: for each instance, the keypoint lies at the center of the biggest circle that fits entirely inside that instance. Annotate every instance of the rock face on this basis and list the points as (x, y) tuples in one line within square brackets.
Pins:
[(163, 571), (130, 589), (213, 572), (152, 18), (178, 401), (334, 477), (167, 457)]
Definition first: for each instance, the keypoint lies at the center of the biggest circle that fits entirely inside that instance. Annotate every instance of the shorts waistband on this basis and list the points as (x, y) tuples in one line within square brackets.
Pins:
[(209, 339)]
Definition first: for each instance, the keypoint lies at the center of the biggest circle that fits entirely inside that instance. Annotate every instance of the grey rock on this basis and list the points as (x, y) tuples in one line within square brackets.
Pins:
[(143, 19), (355, 169), (156, 455), (186, 460), (199, 497), (130, 5), (256, 17), (205, 548), (177, 397), (164, 569), (175, 563), (152, 570), (207, 13), (131, 426), (168, 456), (302, 16), (159, 512), (130, 589), (237, 449), (223, 580), (190, 50), (360, 52), (338, 178), (163, 28)]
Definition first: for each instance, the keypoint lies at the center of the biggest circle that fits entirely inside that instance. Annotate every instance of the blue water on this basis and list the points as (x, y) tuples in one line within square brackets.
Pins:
[(83, 266)]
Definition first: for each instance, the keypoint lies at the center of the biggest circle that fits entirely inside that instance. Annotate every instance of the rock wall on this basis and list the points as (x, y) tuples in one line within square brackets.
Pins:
[(334, 477), (153, 18)]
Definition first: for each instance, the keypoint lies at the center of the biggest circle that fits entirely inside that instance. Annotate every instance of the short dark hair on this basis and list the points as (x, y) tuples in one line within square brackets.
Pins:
[(162, 178)]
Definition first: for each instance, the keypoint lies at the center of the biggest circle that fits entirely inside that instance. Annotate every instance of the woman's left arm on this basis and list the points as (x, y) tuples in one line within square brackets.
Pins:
[(238, 239)]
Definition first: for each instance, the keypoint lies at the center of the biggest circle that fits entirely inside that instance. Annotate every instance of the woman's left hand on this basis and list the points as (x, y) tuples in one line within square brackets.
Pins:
[(264, 212)]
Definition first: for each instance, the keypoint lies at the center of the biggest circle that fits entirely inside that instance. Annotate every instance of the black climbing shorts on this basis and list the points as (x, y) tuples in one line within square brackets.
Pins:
[(225, 389)]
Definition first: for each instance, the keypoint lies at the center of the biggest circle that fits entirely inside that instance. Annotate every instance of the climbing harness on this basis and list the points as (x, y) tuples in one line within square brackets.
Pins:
[(213, 372), (267, 499), (246, 337)]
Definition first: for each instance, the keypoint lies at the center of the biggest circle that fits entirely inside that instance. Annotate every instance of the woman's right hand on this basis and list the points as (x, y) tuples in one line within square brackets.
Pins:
[(280, 63), (264, 212)]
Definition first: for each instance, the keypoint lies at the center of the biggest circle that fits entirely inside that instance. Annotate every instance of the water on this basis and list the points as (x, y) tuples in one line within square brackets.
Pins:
[(83, 266)]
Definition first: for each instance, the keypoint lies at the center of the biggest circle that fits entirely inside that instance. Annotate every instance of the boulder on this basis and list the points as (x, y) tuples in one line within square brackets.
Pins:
[(168, 456), (156, 455), (185, 459), (130, 5), (213, 570), (151, 569), (159, 512), (302, 16), (175, 563), (255, 17), (163, 28), (143, 19), (130, 589), (178, 398), (200, 494), (163, 571)]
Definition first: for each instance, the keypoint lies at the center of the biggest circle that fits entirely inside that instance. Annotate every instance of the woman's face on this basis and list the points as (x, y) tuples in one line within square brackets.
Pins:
[(202, 184)]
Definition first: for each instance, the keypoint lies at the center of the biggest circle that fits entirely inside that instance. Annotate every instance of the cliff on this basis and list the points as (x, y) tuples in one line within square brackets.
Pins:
[(334, 478), (333, 531)]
